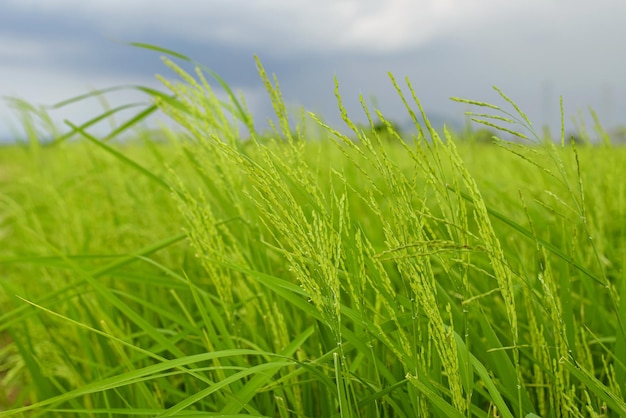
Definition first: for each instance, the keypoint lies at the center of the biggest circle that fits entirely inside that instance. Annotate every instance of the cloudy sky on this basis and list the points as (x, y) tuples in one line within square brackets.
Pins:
[(534, 50)]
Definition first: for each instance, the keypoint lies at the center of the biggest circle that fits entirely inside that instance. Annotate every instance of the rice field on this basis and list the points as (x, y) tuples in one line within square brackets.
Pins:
[(367, 274)]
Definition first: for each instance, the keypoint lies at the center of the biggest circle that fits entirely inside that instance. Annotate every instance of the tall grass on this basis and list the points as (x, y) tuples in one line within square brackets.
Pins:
[(355, 275)]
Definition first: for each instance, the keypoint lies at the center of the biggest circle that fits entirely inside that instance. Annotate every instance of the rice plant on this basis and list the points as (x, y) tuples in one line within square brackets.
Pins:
[(358, 274)]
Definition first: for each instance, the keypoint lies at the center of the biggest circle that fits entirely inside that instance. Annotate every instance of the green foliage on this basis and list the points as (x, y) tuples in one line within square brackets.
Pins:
[(203, 277)]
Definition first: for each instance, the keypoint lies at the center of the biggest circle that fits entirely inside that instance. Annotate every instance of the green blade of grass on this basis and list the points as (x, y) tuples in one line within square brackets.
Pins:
[(527, 233), (615, 402), (146, 373), (267, 368), (8, 319), (121, 157), (241, 398), (131, 122)]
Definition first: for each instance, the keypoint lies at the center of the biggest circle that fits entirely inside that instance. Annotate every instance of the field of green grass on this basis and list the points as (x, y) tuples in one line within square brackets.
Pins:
[(361, 275)]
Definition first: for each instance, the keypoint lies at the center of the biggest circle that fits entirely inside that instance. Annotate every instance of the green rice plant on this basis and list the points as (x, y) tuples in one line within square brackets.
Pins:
[(568, 202), (359, 275)]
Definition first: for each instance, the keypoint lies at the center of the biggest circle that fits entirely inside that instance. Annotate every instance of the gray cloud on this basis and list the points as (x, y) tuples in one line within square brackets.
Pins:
[(534, 50)]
